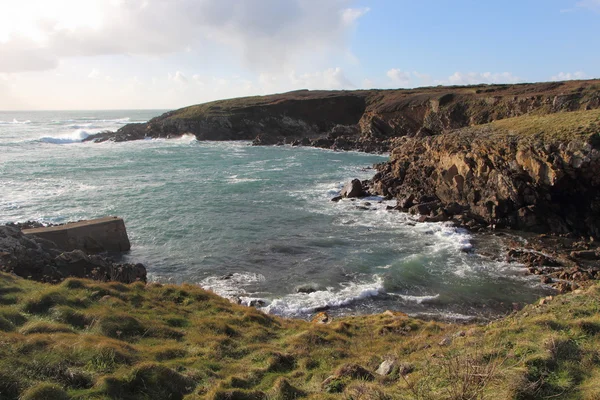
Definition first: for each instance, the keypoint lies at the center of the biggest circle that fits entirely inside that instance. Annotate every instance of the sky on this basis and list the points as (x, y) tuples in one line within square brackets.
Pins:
[(164, 54)]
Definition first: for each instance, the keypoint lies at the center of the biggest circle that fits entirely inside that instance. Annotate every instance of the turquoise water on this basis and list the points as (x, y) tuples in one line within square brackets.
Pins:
[(250, 223)]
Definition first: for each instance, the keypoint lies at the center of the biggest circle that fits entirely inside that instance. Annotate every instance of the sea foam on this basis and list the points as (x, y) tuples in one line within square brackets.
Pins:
[(75, 137)]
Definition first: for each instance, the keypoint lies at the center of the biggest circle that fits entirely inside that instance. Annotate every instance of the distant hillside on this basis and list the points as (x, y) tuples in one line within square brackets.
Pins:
[(362, 119)]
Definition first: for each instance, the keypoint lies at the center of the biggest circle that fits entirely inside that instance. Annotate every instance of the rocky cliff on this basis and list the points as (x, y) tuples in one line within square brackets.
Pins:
[(536, 173), (521, 156), (365, 119)]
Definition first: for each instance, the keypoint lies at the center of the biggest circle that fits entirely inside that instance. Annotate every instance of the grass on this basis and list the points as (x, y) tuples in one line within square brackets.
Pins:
[(90, 340), (563, 125)]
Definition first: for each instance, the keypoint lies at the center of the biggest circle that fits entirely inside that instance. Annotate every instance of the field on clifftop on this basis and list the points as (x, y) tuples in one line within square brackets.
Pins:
[(88, 340)]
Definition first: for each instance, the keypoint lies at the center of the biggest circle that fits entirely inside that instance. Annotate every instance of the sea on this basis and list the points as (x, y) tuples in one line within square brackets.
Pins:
[(253, 224)]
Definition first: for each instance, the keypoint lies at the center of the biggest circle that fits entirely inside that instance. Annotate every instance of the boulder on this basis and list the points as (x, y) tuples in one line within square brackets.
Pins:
[(353, 189), (424, 208), (407, 202)]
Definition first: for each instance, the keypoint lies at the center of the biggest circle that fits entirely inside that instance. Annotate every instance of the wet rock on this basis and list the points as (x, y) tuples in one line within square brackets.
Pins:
[(586, 254), (353, 189), (407, 202), (337, 198), (34, 258), (307, 288), (424, 208)]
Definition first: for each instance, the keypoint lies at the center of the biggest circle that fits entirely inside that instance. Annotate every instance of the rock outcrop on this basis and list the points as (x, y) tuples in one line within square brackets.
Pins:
[(39, 259), (538, 173), (520, 156), (366, 120)]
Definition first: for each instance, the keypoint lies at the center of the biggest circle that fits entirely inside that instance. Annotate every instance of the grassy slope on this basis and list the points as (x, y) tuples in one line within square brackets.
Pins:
[(565, 125), (87, 340), (391, 100)]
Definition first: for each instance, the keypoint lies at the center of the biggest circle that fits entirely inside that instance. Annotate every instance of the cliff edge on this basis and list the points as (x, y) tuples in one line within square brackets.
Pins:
[(365, 120)]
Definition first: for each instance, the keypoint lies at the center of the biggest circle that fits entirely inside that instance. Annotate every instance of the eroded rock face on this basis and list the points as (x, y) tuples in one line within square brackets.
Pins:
[(39, 259), (510, 181), (366, 120)]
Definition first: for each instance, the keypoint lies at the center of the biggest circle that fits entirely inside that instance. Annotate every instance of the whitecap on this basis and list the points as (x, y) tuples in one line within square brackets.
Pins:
[(416, 299), (231, 286), (305, 303), (14, 121), (75, 137)]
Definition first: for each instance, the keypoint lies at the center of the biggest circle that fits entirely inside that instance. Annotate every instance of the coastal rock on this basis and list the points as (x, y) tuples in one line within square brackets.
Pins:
[(366, 120), (38, 259), (353, 189), (503, 178)]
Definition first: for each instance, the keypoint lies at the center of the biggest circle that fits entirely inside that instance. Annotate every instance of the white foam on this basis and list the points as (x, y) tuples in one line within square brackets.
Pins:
[(74, 137), (416, 299), (15, 122), (231, 286), (233, 179), (304, 303)]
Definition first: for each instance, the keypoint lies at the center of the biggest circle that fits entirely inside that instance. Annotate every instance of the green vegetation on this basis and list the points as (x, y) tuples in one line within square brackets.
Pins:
[(89, 340), (563, 125)]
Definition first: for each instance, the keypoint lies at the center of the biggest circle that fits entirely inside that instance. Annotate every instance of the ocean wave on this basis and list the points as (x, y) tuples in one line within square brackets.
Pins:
[(15, 122), (416, 299), (231, 286), (75, 137), (305, 303)]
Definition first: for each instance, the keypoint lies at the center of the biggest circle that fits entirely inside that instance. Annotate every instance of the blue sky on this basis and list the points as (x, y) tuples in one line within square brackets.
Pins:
[(110, 54)]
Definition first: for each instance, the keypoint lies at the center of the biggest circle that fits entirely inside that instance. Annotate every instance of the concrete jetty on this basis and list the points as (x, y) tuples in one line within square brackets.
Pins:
[(90, 236)]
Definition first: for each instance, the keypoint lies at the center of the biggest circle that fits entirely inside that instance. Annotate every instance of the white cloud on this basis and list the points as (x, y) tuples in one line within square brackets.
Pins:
[(267, 34), (569, 76), (474, 78), (94, 74), (367, 84), (593, 5), (398, 76), (351, 15), (331, 78), (178, 77)]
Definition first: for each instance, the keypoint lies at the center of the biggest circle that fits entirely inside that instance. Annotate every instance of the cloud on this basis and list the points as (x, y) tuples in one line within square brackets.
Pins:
[(569, 76), (178, 77), (474, 78), (593, 5), (398, 76), (94, 74), (351, 15), (22, 54), (331, 78), (266, 34)]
